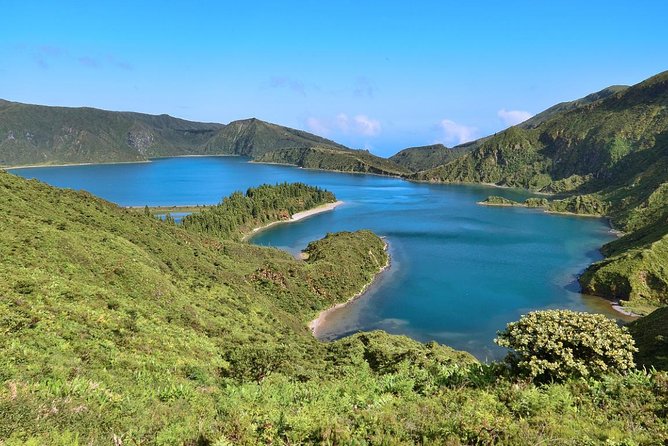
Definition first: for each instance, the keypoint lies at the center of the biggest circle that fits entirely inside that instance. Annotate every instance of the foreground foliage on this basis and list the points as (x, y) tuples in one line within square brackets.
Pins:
[(560, 344), (116, 327)]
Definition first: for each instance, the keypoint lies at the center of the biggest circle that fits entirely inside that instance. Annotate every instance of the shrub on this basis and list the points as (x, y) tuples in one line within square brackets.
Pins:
[(559, 344)]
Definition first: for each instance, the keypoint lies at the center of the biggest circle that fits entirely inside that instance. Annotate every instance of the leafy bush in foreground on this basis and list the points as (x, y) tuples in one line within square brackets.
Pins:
[(559, 344)]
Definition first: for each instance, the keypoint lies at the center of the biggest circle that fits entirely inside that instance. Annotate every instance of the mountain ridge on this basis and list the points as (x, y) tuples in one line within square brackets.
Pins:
[(45, 135)]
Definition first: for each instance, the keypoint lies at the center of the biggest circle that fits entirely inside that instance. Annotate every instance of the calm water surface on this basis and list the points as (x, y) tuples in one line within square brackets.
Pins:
[(459, 271)]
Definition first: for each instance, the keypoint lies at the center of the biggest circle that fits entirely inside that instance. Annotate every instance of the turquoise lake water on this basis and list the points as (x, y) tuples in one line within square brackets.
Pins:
[(459, 271)]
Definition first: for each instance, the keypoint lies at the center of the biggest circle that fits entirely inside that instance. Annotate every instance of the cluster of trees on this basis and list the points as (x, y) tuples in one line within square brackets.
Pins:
[(239, 214)]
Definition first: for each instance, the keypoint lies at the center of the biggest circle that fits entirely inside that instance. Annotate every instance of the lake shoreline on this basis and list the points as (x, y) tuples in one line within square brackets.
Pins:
[(150, 160), (34, 166), (314, 324), (296, 217), (546, 211)]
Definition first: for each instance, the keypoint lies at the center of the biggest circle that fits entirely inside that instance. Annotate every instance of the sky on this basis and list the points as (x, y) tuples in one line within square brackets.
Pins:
[(373, 75)]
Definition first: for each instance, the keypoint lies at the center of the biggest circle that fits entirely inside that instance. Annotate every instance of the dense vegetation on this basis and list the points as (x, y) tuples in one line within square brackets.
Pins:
[(554, 345), (253, 138), (651, 336), (33, 134), (239, 214), (334, 159), (118, 328), (420, 158), (589, 205)]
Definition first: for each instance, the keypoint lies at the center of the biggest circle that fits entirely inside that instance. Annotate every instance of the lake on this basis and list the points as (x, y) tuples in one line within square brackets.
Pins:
[(459, 271)]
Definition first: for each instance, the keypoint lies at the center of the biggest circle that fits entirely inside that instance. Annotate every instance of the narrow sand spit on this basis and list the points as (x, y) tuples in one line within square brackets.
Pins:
[(296, 217)]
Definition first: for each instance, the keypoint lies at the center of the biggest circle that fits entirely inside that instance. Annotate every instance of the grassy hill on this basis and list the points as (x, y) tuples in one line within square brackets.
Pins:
[(117, 328), (562, 107), (651, 335), (581, 146), (328, 158), (253, 138), (420, 158), (33, 134), (605, 154)]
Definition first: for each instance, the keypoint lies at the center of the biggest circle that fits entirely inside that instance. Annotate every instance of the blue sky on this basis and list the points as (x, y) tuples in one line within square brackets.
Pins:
[(376, 75)]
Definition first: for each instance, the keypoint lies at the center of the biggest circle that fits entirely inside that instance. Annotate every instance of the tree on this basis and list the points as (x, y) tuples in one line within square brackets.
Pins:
[(559, 344)]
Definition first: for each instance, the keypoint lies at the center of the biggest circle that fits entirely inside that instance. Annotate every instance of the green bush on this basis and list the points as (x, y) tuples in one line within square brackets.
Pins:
[(559, 344)]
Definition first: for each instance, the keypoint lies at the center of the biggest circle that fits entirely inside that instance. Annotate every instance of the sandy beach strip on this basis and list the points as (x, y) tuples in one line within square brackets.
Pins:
[(105, 163), (617, 306), (315, 323), (32, 166), (296, 217)]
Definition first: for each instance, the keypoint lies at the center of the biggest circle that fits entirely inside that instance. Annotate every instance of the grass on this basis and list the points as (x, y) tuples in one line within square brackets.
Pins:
[(116, 327)]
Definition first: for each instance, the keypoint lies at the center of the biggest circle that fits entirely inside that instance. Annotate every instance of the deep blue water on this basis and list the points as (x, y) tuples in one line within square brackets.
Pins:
[(459, 271)]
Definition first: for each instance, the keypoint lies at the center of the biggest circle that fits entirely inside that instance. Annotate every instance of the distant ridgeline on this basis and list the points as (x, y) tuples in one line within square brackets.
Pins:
[(238, 214), (118, 328), (34, 134)]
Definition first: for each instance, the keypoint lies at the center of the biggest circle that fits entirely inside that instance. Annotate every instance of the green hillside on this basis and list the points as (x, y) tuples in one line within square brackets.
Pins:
[(117, 328), (579, 148), (40, 135), (328, 158), (651, 336), (33, 134), (606, 154), (420, 158), (253, 138), (562, 107), (238, 214)]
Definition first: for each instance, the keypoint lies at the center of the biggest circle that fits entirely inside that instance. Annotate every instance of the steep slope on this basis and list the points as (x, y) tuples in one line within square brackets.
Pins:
[(328, 158), (420, 158), (253, 138), (562, 107), (33, 134), (580, 146), (651, 336), (606, 153)]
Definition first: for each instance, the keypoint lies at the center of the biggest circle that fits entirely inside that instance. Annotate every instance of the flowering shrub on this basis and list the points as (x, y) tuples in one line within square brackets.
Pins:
[(559, 344)]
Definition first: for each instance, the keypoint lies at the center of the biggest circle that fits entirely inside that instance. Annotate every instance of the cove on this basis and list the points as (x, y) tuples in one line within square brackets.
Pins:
[(459, 271)]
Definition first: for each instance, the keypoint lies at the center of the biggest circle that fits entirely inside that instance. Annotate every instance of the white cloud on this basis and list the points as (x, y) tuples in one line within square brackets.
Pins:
[(316, 126), (454, 133), (344, 124), (366, 126), (513, 117)]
